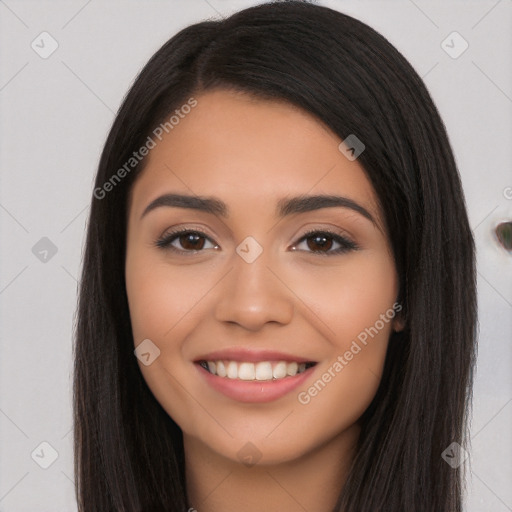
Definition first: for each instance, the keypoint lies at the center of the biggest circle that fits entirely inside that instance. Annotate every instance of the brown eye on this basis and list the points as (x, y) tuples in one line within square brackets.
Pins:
[(322, 242), (191, 241), (188, 241)]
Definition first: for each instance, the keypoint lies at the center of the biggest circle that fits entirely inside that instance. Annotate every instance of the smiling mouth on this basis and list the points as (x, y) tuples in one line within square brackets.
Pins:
[(260, 371)]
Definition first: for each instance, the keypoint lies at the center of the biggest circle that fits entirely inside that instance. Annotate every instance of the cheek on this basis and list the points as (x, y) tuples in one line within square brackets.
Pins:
[(350, 297), (159, 296), (164, 305), (356, 305)]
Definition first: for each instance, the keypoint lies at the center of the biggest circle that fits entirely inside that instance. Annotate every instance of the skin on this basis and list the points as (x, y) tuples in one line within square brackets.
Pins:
[(250, 153)]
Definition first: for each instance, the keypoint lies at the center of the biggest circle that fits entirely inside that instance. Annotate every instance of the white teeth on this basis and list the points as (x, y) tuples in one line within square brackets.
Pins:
[(232, 370), (292, 368), (246, 371), (262, 371), (221, 369), (279, 370)]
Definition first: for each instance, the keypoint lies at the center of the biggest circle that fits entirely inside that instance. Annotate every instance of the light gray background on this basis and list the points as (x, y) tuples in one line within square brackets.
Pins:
[(55, 115)]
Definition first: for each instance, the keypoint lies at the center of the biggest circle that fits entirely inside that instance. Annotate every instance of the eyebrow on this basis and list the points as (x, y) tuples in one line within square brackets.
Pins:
[(286, 206)]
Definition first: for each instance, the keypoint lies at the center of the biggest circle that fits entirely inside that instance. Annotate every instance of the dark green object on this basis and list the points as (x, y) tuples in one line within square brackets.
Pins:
[(504, 234)]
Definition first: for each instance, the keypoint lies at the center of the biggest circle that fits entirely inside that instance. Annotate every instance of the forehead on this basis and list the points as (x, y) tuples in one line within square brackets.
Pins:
[(247, 150)]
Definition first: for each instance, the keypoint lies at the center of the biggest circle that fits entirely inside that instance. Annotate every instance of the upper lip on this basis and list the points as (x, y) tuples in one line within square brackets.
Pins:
[(252, 356)]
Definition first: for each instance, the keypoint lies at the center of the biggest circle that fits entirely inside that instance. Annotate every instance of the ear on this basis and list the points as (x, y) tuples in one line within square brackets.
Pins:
[(398, 323)]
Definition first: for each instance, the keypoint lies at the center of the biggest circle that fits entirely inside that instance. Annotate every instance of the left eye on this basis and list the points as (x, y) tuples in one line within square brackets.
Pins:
[(321, 242), (318, 242)]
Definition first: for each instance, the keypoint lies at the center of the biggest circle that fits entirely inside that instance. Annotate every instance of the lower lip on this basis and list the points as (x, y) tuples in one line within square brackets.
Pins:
[(257, 391)]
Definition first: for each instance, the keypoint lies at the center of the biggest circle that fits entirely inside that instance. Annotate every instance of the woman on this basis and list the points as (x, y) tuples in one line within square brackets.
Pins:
[(277, 306)]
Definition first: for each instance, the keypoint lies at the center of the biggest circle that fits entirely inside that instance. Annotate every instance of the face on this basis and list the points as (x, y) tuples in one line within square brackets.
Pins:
[(261, 318)]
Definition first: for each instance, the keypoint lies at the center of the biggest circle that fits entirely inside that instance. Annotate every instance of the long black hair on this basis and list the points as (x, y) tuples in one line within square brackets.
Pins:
[(128, 451)]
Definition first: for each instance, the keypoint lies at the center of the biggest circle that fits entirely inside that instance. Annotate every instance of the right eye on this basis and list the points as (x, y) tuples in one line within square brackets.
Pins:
[(191, 241)]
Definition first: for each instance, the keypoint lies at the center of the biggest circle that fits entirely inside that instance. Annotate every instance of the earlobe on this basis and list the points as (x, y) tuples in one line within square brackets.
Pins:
[(399, 322)]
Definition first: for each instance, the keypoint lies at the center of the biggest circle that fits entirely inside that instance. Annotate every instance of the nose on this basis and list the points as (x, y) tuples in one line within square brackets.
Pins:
[(253, 294)]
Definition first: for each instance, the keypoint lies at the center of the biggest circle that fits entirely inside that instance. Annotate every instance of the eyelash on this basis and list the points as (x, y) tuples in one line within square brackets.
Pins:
[(346, 244)]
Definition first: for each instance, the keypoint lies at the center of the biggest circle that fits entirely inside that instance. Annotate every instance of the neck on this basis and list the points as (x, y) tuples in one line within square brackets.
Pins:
[(311, 482)]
